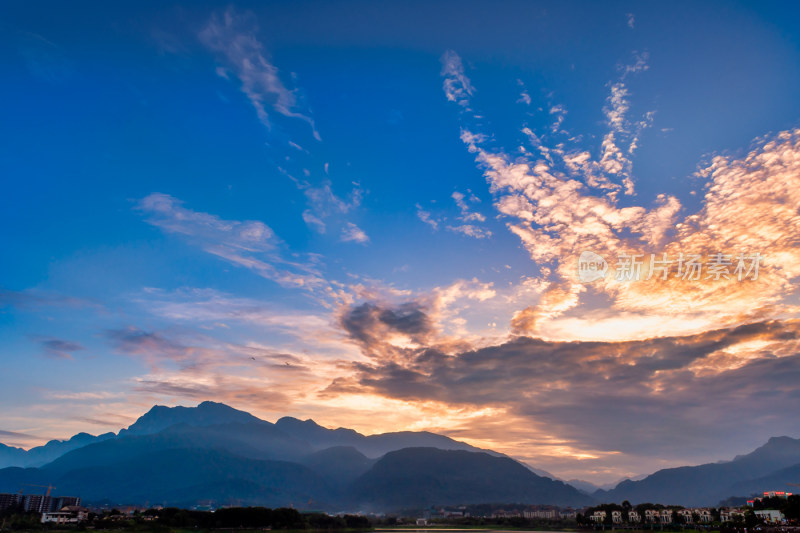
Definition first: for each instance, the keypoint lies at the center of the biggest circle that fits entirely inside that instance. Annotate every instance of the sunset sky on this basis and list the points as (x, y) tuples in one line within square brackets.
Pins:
[(371, 214)]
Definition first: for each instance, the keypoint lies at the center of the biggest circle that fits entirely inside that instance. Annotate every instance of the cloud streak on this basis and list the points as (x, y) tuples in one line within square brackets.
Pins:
[(250, 244), (352, 233), (59, 348), (233, 36), (457, 86)]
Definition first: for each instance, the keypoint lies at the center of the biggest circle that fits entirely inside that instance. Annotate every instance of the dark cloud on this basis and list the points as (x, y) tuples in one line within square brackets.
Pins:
[(155, 347), (136, 341), (172, 389), (17, 434), (368, 323), (207, 368), (33, 299), (276, 360), (58, 348), (661, 397), (227, 390), (108, 419)]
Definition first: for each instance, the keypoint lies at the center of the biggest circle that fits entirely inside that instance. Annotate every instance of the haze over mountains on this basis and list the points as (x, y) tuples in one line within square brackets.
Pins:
[(180, 456), (41, 455), (773, 466)]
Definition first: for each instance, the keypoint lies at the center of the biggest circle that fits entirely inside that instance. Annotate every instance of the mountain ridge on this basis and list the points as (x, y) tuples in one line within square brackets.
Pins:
[(344, 461), (412, 477), (180, 455), (208, 413), (707, 484)]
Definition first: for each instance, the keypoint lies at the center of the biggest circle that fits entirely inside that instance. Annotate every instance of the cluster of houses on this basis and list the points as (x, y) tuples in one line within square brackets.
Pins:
[(542, 512), (530, 512), (684, 516), (658, 516), (693, 516), (69, 514)]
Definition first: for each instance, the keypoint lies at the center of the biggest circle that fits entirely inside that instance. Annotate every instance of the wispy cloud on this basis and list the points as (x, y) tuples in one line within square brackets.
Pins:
[(559, 112), (468, 222), (249, 244), (426, 217), (36, 299), (211, 307), (352, 233), (314, 221), (324, 205), (45, 59), (85, 395), (471, 230), (234, 36), (466, 214), (17, 434), (156, 348), (58, 348), (168, 213), (457, 86), (232, 390)]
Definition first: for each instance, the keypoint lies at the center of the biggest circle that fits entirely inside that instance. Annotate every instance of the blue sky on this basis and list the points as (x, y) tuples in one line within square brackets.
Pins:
[(286, 206)]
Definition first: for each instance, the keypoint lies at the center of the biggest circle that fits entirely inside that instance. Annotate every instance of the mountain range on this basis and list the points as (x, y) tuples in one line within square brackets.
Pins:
[(184, 455), (773, 466), (41, 455), (180, 456)]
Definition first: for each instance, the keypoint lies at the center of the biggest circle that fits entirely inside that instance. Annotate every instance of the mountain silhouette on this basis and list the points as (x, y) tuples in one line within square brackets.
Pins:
[(183, 455), (412, 478), (766, 468), (40, 455)]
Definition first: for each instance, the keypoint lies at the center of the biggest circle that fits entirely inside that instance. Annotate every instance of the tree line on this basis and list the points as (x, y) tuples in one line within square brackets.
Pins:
[(174, 518)]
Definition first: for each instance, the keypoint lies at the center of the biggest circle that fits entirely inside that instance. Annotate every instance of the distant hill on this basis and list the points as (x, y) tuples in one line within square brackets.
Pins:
[(339, 465), (415, 477), (182, 477), (590, 488), (372, 445), (778, 480), (41, 455), (766, 468), (179, 456), (11, 456), (585, 487), (537, 471)]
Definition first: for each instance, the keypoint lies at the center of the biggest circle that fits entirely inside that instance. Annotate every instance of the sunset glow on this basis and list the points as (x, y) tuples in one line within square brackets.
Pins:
[(372, 215)]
